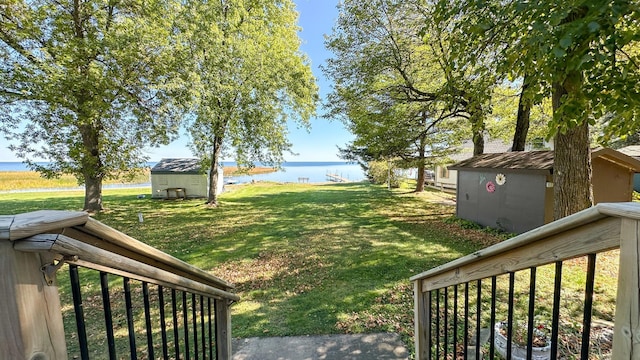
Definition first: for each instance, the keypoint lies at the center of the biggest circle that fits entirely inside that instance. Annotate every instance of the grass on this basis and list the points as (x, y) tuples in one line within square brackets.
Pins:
[(306, 259)]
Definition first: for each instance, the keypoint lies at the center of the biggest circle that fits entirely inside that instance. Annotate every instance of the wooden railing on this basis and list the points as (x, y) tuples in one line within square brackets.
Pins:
[(444, 324), (34, 246)]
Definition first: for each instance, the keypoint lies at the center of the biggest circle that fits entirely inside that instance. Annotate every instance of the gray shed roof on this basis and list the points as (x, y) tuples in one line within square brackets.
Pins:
[(538, 160), (517, 160), (177, 166)]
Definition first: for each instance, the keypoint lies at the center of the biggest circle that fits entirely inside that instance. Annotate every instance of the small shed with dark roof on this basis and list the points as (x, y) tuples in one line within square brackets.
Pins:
[(181, 177), (514, 191)]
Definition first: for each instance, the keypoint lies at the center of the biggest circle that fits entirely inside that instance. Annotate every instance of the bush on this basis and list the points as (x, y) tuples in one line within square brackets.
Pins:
[(378, 173)]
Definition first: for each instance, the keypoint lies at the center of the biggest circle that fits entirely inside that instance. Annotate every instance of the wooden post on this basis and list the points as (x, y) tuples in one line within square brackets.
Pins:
[(422, 313), (31, 326), (626, 337), (223, 329)]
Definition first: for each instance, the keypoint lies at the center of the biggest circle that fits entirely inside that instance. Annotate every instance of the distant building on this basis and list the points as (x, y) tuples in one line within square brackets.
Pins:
[(634, 152), (447, 178), (181, 177), (514, 191)]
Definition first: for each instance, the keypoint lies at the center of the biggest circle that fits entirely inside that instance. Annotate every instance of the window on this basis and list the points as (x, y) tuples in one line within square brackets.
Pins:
[(444, 172)]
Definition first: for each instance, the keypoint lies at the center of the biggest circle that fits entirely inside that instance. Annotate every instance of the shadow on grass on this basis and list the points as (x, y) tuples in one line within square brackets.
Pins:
[(304, 257)]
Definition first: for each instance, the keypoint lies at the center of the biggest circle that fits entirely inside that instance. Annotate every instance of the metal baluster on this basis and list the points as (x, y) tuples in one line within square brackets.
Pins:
[(194, 317), (555, 324), (176, 336), (588, 306), (455, 320), (512, 280), (466, 320), (129, 308), (532, 304), (211, 339), (446, 325), (478, 310), (494, 285), (147, 319), (215, 311), (438, 324), (163, 323), (108, 318), (185, 312), (204, 341), (79, 312)]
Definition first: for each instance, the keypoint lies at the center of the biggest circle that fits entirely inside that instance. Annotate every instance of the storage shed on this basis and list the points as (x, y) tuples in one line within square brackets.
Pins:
[(514, 191), (181, 177)]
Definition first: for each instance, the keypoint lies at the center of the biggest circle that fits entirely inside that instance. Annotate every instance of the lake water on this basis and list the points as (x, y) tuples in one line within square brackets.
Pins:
[(312, 172)]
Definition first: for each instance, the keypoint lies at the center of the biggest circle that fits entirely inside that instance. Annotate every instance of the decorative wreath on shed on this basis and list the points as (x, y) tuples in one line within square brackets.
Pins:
[(491, 187)]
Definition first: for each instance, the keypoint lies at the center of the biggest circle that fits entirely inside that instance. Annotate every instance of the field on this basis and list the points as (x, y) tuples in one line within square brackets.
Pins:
[(306, 259), (23, 180)]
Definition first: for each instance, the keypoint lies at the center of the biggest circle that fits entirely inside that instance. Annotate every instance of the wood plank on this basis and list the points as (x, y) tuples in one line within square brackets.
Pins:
[(5, 226), (43, 221), (630, 210), (112, 246), (154, 256), (596, 237), (582, 218), (31, 326), (223, 330), (63, 245), (627, 325), (422, 327)]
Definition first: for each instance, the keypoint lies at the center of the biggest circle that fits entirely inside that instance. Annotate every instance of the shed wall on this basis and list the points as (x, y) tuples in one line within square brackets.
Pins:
[(516, 206), (611, 182), (195, 185)]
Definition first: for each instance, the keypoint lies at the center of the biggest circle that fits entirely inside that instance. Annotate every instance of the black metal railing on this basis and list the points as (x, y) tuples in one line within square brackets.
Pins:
[(532, 297), (193, 338), (148, 305), (463, 317)]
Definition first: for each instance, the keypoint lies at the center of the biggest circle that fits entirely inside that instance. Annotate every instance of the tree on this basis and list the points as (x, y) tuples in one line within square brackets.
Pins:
[(86, 85), (393, 90), (250, 78), (575, 51)]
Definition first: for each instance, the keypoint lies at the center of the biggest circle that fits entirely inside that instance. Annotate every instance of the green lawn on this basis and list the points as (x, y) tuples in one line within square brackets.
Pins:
[(306, 259)]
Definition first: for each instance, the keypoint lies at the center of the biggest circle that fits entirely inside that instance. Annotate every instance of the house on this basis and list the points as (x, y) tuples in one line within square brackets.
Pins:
[(181, 177), (634, 152), (447, 178), (514, 191)]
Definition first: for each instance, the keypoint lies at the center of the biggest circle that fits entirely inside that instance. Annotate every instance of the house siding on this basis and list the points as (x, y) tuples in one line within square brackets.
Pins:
[(516, 207), (195, 185)]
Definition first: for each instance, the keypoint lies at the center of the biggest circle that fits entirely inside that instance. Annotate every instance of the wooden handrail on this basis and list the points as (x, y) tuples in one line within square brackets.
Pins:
[(33, 245), (597, 229), (85, 255)]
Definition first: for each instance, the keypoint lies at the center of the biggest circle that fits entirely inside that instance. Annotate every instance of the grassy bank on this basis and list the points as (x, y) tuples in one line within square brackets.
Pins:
[(23, 180), (306, 259)]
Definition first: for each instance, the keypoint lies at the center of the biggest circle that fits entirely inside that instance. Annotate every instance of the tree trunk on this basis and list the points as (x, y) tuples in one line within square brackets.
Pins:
[(421, 152), (477, 128), (522, 122), (572, 189), (214, 171), (92, 168), (92, 194)]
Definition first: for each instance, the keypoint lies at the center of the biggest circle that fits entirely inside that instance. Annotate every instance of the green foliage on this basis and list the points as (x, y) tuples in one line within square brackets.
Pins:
[(502, 120), (87, 85), (249, 77), (384, 173), (588, 47), (394, 89)]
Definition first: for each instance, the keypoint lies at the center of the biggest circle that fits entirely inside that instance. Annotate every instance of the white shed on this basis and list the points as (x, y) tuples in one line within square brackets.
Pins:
[(181, 177)]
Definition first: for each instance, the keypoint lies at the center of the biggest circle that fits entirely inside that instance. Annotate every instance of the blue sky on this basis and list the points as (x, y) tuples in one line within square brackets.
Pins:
[(320, 143)]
